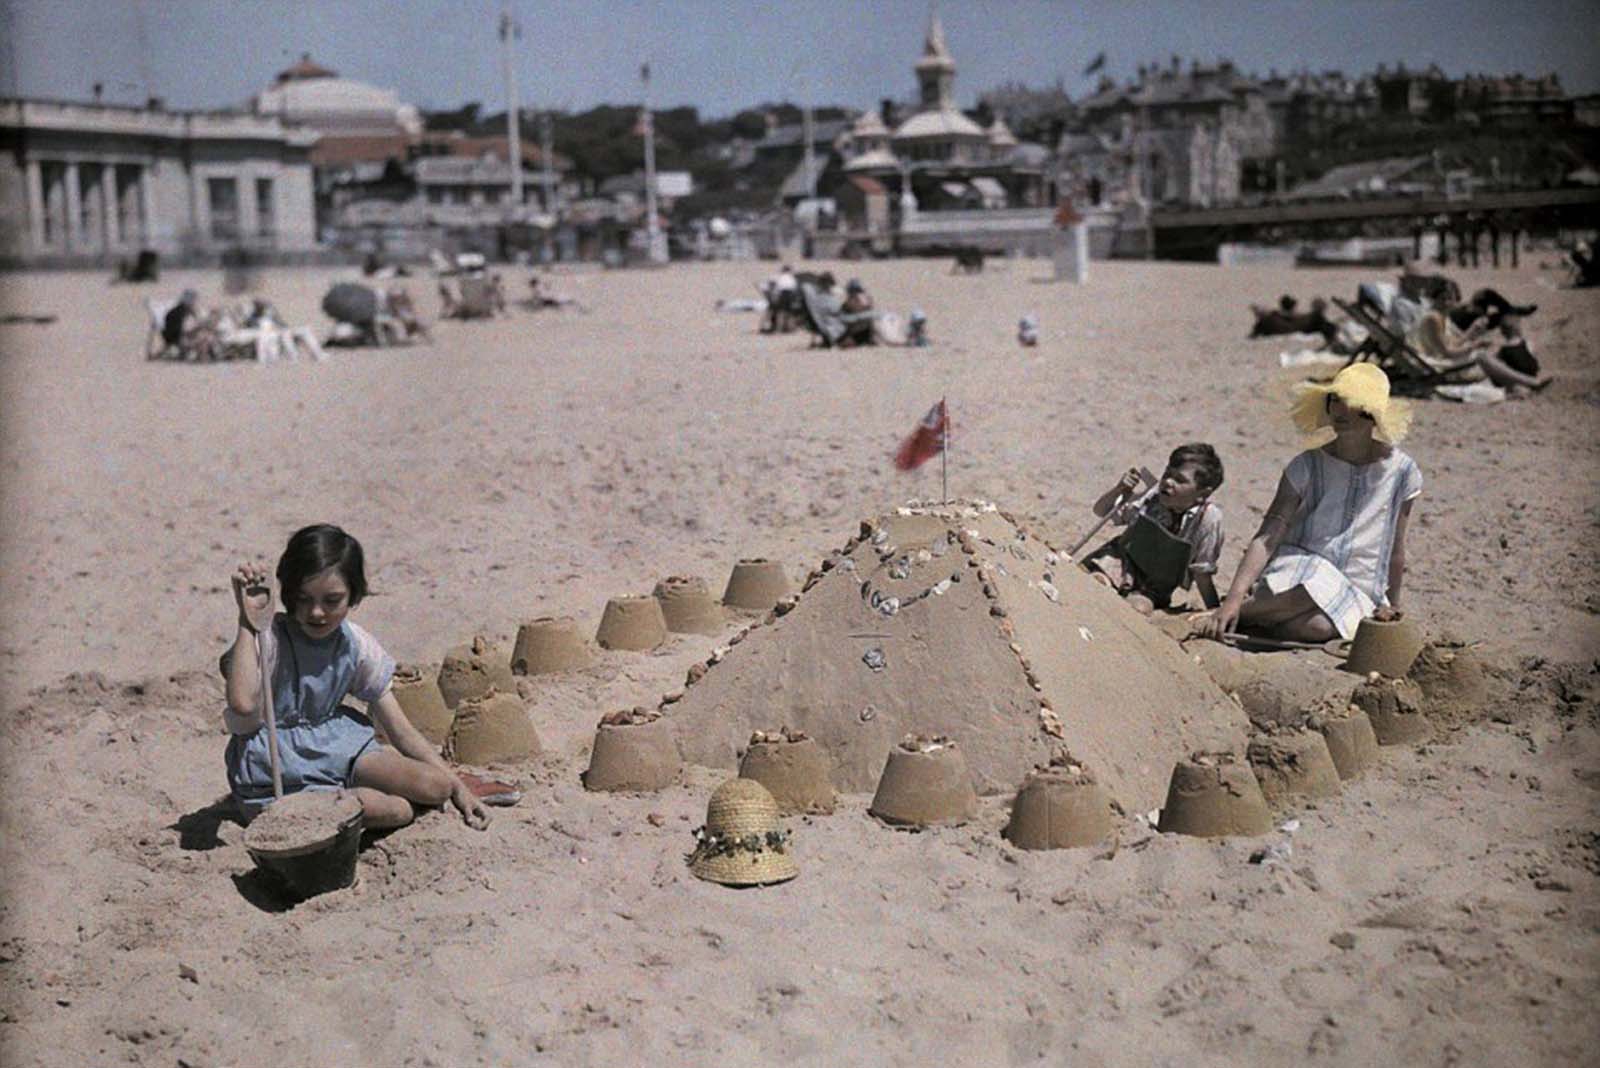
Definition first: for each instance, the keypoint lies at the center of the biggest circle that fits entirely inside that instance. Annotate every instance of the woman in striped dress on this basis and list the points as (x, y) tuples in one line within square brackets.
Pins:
[(1331, 549)]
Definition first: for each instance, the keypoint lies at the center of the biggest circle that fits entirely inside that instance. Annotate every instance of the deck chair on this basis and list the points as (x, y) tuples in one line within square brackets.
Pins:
[(1409, 373), (819, 313)]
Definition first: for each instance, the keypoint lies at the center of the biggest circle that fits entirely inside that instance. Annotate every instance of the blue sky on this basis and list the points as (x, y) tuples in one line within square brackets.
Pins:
[(721, 56)]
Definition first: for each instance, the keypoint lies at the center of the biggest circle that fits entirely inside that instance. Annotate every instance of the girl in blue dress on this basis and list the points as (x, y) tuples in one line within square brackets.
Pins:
[(1331, 549), (316, 657)]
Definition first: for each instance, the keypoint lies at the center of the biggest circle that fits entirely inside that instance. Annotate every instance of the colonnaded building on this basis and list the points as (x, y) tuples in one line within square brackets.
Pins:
[(85, 184)]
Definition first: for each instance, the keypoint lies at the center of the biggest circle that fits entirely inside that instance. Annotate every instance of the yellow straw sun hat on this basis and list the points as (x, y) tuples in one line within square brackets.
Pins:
[(1363, 386), (741, 843)]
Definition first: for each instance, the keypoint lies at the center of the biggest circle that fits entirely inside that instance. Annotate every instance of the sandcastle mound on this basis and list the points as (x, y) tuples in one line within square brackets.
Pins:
[(955, 620)]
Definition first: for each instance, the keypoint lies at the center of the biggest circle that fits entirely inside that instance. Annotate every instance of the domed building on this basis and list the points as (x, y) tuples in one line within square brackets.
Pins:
[(357, 122), (950, 161)]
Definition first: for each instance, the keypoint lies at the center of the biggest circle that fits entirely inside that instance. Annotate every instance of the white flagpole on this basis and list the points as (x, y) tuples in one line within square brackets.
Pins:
[(944, 451)]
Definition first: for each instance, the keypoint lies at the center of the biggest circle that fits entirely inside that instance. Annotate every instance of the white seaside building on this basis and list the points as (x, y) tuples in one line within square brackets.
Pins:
[(91, 183)]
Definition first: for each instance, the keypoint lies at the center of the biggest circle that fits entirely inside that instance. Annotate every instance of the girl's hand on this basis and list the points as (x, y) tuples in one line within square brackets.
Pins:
[(1387, 614), (473, 814), (254, 597), (1129, 482), (1217, 623)]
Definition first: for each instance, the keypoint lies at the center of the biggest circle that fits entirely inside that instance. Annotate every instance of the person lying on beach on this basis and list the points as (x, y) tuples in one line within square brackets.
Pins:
[(315, 657), (1174, 533), (1331, 549), (1274, 322)]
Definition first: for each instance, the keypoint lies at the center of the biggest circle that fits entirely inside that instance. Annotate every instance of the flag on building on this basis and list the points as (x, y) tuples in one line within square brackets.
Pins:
[(1098, 63), (926, 441)]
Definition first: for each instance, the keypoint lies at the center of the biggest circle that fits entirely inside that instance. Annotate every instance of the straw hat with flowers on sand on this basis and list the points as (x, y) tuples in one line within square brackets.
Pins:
[(741, 843)]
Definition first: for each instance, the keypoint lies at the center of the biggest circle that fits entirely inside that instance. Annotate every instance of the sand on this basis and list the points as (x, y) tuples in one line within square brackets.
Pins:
[(1442, 910)]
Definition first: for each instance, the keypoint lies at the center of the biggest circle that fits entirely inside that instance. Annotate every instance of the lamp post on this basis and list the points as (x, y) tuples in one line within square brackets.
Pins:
[(656, 252), (510, 29)]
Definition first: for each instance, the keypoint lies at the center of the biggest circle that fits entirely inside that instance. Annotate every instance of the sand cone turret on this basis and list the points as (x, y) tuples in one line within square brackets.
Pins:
[(493, 729), (421, 700), (547, 645), (793, 768), (687, 606), (633, 751), (634, 624), (1293, 764), (925, 783), (756, 585), (1060, 806), (472, 670), (1214, 795), (1352, 744)]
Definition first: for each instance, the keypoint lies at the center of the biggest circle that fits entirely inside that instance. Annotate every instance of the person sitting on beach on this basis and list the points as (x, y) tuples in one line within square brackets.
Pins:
[(186, 330), (315, 657), (1028, 331), (1435, 341), (1174, 533), (1331, 549), (1485, 304), (856, 311)]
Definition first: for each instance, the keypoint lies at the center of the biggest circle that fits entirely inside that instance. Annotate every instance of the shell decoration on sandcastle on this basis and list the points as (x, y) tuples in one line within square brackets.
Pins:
[(472, 670), (793, 768), (492, 729), (632, 624), (925, 783), (688, 607), (755, 585), (634, 750), (417, 691), (1395, 708), (548, 645), (742, 842), (1060, 806), (1293, 763), (1214, 795)]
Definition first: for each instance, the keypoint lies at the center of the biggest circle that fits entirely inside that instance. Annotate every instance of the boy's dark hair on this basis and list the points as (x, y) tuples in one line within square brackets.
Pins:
[(313, 550), (1207, 464)]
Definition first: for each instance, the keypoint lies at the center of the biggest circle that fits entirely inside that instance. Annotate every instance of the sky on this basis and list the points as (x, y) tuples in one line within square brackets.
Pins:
[(724, 55)]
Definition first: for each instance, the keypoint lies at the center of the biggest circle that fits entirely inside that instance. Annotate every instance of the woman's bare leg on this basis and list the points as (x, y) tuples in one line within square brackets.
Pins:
[(1502, 374)]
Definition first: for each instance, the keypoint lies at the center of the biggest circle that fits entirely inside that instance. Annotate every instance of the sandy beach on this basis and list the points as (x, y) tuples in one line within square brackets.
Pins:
[(1442, 911)]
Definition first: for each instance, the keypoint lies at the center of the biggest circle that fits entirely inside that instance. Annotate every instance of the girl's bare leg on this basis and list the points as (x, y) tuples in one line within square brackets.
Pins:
[(388, 782)]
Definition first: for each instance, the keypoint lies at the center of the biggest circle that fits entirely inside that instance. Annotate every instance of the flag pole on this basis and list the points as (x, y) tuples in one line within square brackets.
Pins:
[(944, 452)]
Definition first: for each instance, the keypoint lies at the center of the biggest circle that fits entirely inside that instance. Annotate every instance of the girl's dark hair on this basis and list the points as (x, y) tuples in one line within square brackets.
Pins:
[(313, 550), (1207, 464)]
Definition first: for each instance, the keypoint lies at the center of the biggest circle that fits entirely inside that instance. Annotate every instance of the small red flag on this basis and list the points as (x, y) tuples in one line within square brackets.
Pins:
[(925, 442)]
